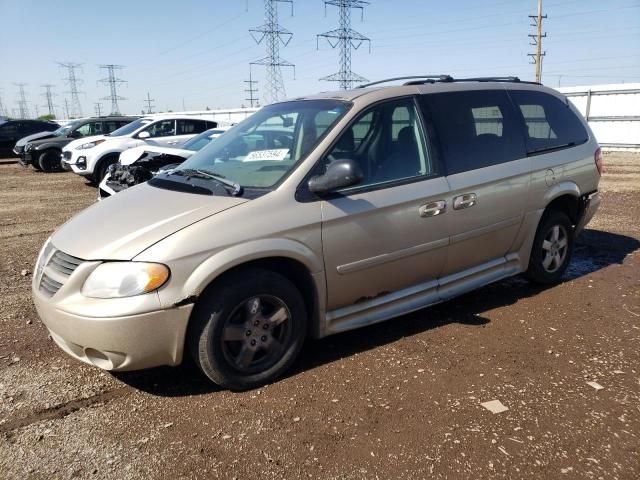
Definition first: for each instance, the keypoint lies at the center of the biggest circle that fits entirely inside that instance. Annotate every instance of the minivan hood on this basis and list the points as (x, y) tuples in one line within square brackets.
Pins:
[(123, 225), (36, 136)]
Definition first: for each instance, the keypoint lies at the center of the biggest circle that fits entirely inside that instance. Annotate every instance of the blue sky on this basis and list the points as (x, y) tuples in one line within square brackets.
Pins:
[(198, 51)]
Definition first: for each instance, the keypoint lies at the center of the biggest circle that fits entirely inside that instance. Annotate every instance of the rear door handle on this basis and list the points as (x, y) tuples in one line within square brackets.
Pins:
[(464, 201), (432, 209)]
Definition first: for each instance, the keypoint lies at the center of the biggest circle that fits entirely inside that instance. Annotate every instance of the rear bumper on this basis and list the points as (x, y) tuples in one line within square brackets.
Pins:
[(590, 207)]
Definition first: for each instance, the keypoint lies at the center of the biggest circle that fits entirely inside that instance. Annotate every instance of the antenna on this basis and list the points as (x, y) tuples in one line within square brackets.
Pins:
[(73, 81), (23, 109), (48, 95), (149, 101), (251, 90), (346, 39), (274, 36), (113, 83)]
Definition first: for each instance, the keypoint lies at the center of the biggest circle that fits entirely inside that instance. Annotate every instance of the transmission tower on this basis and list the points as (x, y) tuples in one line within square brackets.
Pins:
[(274, 36), (149, 101), (113, 83), (97, 107), (537, 41), (48, 95), (251, 90), (73, 81), (346, 39), (23, 109), (3, 110)]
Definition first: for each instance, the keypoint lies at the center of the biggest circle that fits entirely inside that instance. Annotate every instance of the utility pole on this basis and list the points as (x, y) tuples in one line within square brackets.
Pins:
[(113, 83), (273, 35), (3, 110), (23, 108), (250, 89), (537, 41), (73, 81), (149, 101), (97, 107), (66, 108), (346, 39), (48, 95)]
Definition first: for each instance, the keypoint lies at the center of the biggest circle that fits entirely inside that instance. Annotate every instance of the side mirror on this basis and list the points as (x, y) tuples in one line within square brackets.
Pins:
[(340, 174), (143, 135), (75, 134)]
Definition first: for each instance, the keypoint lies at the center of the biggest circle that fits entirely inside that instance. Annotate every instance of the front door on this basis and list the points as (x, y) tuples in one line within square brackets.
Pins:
[(384, 239)]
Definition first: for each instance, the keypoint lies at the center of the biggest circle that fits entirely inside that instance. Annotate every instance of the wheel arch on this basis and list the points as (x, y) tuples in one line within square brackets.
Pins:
[(565, 197)]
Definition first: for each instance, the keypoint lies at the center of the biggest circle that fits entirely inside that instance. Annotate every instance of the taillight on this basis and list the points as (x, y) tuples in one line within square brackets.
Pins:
[(597, 156)]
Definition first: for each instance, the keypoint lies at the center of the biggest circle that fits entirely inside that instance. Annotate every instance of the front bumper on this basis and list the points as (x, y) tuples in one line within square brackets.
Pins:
[(119, 343)]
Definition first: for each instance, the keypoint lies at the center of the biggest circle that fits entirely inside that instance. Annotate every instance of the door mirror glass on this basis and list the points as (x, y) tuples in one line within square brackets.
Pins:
[(340, 174), (143, 135)]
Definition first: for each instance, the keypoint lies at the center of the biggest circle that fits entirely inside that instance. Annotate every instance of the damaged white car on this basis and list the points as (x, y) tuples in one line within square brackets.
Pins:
[(139, 164)]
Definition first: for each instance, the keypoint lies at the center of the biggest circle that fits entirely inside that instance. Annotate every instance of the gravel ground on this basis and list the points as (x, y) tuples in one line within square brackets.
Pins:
[(397, 400)]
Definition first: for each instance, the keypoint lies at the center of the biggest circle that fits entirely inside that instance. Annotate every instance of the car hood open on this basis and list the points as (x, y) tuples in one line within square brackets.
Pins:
[(132, 155), (122, 226)]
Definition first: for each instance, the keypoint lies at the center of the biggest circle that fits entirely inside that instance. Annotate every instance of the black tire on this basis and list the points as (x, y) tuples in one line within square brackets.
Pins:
[(550, 258), (101, 168), (49, 161), (227, 319)]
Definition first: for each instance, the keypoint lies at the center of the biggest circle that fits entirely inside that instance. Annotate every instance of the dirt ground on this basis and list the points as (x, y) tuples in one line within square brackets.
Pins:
[(397, 400)]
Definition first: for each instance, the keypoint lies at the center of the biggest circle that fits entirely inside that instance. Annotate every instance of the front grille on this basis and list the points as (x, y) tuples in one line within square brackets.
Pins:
[(66, 154), (56, 272)]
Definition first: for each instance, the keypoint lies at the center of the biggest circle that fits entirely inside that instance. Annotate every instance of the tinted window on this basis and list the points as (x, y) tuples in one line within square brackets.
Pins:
[(191, 127), (163, 128), (9, 129), (550, 122), (475, 129), (89, 129), (388, 143)]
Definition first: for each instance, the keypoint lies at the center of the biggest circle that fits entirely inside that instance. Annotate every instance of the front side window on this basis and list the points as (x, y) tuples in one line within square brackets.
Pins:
[(163, 128), (475, 129), (131, 127), (387, 142), (89, 129), (550, 122), (267, 146)]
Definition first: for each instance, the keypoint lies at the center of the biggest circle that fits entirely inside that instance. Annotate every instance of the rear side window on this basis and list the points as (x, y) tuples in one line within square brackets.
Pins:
[(191, 127), (474, 129), (550, 122)]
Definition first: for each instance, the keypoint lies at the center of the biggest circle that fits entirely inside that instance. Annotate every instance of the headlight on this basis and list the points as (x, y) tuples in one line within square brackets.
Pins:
[(124, 279), (42, 257), (85, 146), (28, 147)]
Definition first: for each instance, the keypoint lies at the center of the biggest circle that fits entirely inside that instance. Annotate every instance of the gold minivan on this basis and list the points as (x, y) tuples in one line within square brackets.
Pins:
[(319, 215)]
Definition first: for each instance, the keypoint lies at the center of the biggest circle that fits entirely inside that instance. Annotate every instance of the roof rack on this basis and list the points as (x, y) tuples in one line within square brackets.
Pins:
[(422, 79), (426, 78)]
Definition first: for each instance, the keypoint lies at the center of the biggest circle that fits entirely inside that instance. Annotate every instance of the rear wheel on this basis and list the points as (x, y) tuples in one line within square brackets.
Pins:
[(49, 161), (249, 330), (552, 248)]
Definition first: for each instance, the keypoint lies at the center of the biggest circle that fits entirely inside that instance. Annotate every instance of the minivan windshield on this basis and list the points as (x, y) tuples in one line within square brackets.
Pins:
[(266, 147), (66, 129), (130, 127)]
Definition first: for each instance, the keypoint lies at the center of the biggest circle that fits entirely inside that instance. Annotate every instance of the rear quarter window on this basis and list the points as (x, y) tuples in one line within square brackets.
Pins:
[(474, 129), (550, 122)]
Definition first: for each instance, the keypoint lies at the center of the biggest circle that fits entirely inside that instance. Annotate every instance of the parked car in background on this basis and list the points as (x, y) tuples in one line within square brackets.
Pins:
[(44, 153), (14, 130), (139, 164), (91, 157), (320, 215)]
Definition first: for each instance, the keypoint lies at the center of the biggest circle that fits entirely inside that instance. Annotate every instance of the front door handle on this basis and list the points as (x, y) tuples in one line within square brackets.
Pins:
[(432, 209), (172, 143), (464, 201)]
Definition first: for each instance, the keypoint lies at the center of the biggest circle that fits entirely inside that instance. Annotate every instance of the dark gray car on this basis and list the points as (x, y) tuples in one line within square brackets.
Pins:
[(44, 153)]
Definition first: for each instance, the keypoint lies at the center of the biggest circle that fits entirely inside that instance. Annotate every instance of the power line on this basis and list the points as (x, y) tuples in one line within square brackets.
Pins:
[(113, 83), (273, 35), (73, 81), (48, 95), (97, 108), (537, 41), (23, 109), (346, 39), (149, 101), (250, 89)]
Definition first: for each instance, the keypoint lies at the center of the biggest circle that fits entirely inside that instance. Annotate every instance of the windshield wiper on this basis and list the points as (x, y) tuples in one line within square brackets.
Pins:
[(195, 172)]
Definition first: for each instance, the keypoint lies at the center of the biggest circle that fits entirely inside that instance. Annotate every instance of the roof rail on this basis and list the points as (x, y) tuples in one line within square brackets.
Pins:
[(442, 78)]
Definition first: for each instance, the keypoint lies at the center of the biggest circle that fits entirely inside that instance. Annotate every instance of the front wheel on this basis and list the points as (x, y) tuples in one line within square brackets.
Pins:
[(552, 248), (249, 330), (49, 161)]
